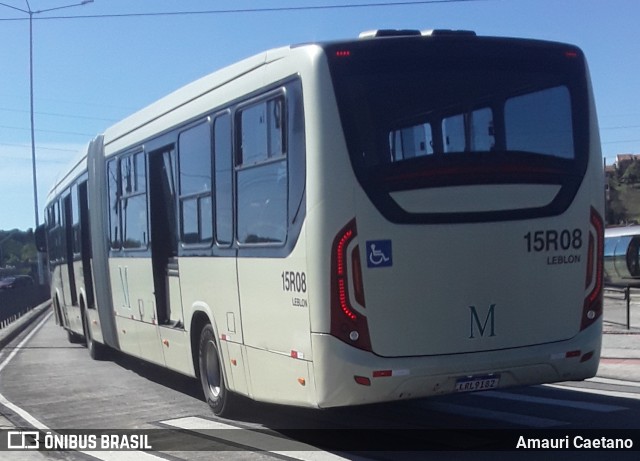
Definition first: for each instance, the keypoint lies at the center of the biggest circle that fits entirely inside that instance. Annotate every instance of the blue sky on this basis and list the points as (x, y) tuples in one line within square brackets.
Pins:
[(91, 72)]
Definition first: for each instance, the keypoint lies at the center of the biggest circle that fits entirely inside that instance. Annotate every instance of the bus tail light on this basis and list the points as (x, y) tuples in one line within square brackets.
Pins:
[(362, 380), (592, 309), (588, 356), (347, 324)]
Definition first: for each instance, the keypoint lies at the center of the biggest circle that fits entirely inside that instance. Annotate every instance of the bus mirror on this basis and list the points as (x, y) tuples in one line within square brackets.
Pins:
[(41, 239)]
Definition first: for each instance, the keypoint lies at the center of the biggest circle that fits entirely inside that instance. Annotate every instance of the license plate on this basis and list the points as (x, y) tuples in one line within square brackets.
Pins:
[(477, 383)]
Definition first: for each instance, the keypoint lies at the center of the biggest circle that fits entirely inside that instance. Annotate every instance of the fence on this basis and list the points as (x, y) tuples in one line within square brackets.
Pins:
[(18, 301), (626, 293)]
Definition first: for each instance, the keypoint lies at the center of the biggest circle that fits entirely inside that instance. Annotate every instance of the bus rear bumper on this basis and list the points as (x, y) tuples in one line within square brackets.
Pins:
[(353, 377)]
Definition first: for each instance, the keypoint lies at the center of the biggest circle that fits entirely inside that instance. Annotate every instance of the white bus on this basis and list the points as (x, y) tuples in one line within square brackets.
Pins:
[(403, 215)]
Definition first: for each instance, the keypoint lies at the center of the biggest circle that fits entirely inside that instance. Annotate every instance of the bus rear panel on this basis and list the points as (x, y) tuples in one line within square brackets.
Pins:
[(464, 238)]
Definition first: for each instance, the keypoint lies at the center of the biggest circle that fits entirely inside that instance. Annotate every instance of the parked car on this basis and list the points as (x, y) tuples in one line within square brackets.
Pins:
[(16, 281)]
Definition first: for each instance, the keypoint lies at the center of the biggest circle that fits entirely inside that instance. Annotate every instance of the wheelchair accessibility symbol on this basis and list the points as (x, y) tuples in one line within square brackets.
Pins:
[(379, 253)]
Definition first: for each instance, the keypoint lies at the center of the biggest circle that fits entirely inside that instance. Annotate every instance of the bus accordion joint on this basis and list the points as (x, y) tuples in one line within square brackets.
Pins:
[(592, 309), (347, 324)]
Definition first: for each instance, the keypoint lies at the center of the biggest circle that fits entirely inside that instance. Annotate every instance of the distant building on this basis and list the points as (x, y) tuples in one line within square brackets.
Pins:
[(624, 160)]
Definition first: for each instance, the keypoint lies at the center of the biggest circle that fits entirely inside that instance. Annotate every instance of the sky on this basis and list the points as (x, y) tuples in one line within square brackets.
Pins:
[(97, 63)]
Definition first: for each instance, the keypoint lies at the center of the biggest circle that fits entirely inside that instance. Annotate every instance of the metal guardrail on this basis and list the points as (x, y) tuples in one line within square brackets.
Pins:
[(626, 293), (14, 303)]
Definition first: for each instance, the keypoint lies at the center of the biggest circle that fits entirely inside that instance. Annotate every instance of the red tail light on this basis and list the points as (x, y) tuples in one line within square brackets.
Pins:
[(592, 309), (347, 324)]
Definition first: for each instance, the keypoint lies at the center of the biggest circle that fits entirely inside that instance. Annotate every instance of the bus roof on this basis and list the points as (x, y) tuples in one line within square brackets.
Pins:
[(190, 92), (75, 169)]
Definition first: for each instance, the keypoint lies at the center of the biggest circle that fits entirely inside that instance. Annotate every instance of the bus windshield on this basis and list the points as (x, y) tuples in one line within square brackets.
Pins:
[(459, 112)]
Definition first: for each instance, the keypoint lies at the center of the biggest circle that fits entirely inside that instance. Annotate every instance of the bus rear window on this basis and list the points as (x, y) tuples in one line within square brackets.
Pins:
[(430, 99), (540, 122), (422, 113)]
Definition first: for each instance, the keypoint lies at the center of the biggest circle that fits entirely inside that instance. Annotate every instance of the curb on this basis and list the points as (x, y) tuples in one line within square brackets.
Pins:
[(9, 333)]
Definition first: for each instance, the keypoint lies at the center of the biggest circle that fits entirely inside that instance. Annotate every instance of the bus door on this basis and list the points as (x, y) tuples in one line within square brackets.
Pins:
[(131, 268), (69, 288), (68, 272), (164, 254), (85, 244)]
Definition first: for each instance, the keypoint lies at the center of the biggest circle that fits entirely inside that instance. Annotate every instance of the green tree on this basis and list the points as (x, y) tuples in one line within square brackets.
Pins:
[(18, 251), (632, 173)]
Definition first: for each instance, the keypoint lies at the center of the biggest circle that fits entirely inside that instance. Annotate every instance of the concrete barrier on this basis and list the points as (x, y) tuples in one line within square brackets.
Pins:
[(17, 301)]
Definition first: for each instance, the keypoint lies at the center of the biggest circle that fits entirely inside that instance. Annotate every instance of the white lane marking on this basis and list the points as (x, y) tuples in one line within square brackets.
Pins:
[(258, 440), (603, 392), (101, 455), (617, 382), (483, 413), (582, 405), (24, 341)]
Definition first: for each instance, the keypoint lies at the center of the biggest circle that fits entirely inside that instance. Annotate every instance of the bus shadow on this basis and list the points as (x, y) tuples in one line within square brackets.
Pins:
[(158, 374)]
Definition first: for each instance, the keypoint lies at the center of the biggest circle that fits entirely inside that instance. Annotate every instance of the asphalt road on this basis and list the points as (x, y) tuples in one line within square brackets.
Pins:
[(51, 385)]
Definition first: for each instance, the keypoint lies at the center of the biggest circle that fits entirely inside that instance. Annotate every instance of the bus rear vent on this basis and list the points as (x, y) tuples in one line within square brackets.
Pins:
[(389, 33), (413, 32), (449, 32)]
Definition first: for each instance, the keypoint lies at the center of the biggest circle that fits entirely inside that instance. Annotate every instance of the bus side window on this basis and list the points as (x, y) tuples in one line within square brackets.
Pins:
[(113, 181), (222, 146), (453, 133), (196, 195), (127, 179), (469, 132), (75, 220), (482, 133), (409, 142), (262, 173)]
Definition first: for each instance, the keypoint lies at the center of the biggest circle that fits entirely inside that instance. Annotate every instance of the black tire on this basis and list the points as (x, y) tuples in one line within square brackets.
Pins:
[(74, 338), (220, 399), (96, 350)]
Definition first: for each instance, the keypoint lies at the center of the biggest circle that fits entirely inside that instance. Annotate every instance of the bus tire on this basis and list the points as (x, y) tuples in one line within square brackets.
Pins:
[(96, 350), (74, 338), (219, 398)]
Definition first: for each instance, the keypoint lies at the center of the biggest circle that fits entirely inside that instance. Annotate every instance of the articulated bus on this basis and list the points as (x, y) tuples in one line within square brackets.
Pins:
[(401, 215)]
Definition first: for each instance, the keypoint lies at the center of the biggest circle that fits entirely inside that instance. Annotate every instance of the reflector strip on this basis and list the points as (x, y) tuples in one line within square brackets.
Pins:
[(387, 373), (297, 355), (382, 373)]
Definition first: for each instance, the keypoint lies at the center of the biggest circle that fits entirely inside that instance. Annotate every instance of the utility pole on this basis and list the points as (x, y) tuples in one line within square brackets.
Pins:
[(31, 13)]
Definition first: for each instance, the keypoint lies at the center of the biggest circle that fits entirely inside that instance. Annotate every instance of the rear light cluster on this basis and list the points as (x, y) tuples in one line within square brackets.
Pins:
[(592, 309), (347, 323)]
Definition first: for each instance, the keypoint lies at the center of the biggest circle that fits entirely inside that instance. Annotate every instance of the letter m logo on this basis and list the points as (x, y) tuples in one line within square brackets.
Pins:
[(476, 323)]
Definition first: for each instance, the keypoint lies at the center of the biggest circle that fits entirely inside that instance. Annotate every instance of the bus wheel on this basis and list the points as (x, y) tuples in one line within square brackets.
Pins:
[(96, 350), (211, 375), (74, 338)]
